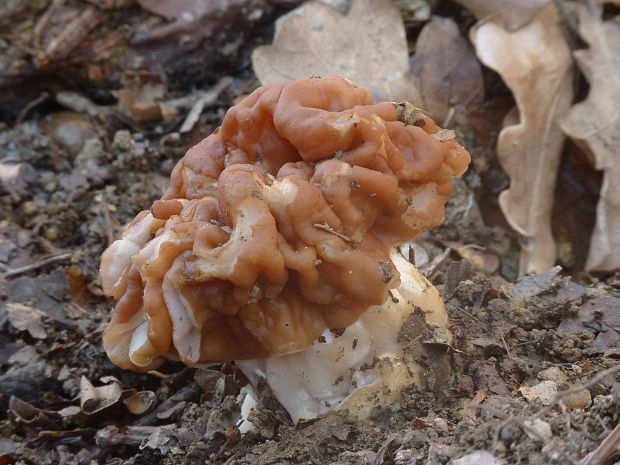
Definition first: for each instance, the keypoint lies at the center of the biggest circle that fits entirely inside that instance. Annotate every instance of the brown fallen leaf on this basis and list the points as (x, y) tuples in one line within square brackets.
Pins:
[(530, 145), (595, 125), (598, 315), (94, 399), (470, 410), (367, 45), (514, 14), (26, 318), (24, 412), (25, 356), (446, 68), (61, 29), (140, 402)]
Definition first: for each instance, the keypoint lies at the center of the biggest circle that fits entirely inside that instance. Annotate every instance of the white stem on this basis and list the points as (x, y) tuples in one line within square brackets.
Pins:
[(360, 369)]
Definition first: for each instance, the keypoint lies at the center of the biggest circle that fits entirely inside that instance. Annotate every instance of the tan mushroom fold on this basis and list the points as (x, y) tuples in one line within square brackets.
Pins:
[(277, 226)]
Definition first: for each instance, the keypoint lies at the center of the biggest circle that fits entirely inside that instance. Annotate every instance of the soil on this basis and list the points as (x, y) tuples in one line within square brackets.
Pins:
[(531, 377)]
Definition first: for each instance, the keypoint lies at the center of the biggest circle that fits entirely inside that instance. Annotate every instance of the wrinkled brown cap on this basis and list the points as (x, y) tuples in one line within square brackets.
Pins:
[(277, 226)]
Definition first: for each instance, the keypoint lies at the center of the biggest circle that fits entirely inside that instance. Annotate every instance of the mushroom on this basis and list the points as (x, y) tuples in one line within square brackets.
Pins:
[(358, 369), (278, 232)]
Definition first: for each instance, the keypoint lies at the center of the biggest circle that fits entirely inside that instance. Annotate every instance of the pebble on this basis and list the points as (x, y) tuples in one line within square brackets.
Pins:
[(578, 400), (30, 207), (70, 130), (122, 140), (440, 425), (51, 233), (538, 430)]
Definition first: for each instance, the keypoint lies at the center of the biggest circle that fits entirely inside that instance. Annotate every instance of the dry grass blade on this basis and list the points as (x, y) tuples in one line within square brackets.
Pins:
[(329, 229)]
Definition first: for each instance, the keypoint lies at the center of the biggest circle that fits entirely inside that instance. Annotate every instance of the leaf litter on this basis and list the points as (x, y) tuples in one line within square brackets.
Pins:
[(367, 44), (595, 125), (516, 340), (530, 145)]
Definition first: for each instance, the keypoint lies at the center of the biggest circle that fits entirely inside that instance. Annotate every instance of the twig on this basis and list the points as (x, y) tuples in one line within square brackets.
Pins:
[(436, 263), (206, 98), (465, 312), (24, 112), (605, 449), (505, 343), (34, 266), (109, 222), (449, 117), (329, 229), (80, 104)]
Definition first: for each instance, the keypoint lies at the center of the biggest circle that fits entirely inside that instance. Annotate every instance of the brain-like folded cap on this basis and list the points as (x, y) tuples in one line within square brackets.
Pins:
[(277, 226)]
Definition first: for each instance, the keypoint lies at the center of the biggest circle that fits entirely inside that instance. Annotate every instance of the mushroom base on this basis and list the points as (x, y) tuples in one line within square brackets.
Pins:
[(361, 368)]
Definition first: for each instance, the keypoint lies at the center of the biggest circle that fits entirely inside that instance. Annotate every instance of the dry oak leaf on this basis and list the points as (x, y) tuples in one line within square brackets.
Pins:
[(367, 45), (27, 318), (446, 69), (595, 125), (530, 145), (94, 399), (514, 14)]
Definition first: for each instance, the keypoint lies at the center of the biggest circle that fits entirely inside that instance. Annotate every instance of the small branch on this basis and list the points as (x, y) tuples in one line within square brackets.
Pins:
[(24, 112), (505, 343), (34, 266), (207, 98), (329, 229), (606, 448)]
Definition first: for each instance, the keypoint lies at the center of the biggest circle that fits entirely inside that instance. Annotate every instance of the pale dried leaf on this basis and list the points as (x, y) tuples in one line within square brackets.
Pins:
[(367, 45), (446, 67), (26, 318), (530, 149), (595, 125), (94, 399), (140, 402), (482, 261), (470, 409), (24, 356), (25, 412), (544, 392), (514, 14)]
